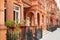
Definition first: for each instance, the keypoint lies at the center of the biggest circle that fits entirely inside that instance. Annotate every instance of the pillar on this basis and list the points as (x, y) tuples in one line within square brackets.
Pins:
[(49, 19), (9, 10), (35, 18), (54, 21), (32, 20), (26, 20), (2, 27), (22, 15), (45, 26)]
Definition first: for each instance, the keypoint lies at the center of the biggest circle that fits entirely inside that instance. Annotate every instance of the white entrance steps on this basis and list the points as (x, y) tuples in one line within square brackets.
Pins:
[(52, 35), (44, 33)]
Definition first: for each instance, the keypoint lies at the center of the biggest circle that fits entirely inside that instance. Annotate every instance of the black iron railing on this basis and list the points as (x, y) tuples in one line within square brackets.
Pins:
[(13, 35), (24, 34)]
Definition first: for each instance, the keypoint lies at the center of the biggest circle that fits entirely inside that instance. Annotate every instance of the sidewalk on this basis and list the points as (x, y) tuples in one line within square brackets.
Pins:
[(52, 35)]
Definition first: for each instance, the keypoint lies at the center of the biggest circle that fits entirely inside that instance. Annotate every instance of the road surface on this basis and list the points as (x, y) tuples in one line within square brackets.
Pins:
[(52, 35)]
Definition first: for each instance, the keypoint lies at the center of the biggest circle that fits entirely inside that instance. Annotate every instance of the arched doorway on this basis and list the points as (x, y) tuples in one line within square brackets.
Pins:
[(38, 19), (30, 19), (42, 19)]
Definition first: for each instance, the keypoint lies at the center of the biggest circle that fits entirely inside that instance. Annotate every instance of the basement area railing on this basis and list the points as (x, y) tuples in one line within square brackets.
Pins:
[(24, 33)]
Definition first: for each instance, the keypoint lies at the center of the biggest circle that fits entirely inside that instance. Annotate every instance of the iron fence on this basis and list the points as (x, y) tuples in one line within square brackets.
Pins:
[(24, 34)]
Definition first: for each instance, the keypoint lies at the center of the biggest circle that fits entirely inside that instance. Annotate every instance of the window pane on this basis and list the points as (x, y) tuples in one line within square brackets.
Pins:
[(5, 15), (16, 8), (4, 5), (16, 16)]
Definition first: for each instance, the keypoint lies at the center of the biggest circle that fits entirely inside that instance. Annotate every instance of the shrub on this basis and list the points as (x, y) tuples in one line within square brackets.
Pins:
[(9, 23)]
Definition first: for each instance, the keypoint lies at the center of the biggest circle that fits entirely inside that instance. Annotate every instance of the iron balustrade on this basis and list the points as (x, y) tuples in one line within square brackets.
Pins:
[(25, 33)]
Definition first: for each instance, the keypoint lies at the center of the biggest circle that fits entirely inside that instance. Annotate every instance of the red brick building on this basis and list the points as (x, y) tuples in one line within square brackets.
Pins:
[(35, 12)]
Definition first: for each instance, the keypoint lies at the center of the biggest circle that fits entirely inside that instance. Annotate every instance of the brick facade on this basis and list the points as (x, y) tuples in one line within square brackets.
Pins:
[(2, 27), (35, 13)]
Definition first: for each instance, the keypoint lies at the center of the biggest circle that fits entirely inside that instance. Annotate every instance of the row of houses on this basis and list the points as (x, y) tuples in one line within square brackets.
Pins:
[(39, 13)]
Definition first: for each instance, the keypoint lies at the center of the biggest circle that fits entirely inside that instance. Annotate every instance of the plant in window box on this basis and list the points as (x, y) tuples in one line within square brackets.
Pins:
[(11, 33), (17, 27), (10, 24)]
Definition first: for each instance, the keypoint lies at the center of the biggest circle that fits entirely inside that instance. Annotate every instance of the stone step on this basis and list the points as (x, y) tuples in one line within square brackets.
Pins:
[(45, 32)]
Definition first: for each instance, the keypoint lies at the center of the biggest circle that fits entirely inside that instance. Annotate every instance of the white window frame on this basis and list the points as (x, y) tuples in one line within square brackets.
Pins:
[(4, 5), (18, 13)]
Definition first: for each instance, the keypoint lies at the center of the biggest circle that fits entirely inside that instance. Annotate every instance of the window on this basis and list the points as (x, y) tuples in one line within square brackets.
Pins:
[(5, 11), (16, 14), (4, 5), (5, 15)]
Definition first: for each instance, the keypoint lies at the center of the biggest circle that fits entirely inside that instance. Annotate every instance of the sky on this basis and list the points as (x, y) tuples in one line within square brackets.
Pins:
[(58, 3)]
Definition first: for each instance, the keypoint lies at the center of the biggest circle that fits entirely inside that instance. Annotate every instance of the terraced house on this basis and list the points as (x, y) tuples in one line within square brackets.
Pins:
[(39, 13)]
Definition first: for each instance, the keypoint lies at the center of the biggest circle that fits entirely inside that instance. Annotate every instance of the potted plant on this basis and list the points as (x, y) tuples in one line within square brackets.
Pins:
[(17, 27), (12, 25), (9, 23), (13, 29)]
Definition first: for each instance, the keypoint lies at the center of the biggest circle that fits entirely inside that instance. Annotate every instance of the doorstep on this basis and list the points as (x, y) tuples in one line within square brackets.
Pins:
[(44, 33)]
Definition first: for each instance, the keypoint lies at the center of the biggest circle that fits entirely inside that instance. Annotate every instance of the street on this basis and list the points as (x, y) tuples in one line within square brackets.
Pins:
[(52, 35)]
